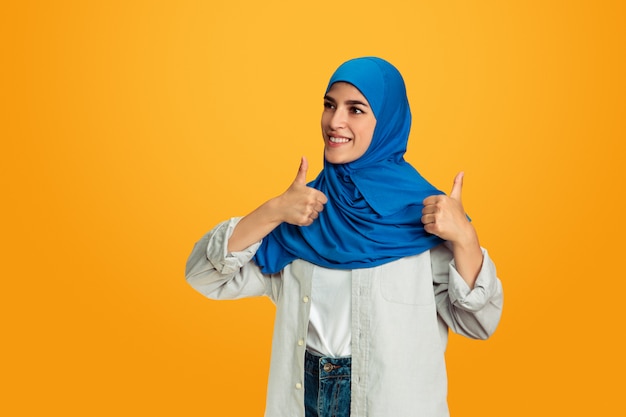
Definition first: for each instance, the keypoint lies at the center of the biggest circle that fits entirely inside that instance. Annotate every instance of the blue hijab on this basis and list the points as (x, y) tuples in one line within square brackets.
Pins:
[(374, 209)]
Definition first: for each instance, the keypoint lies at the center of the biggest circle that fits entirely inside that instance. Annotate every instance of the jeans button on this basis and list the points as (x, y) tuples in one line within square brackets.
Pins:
[(328, 367)]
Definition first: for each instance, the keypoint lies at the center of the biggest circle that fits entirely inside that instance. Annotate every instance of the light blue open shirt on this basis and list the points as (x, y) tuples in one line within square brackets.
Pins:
[(401, 312)]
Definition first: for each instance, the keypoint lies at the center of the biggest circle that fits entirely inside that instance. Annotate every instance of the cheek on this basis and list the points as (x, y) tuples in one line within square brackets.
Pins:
[(372, 129), (367, 132), (326, 115), (364, 145)]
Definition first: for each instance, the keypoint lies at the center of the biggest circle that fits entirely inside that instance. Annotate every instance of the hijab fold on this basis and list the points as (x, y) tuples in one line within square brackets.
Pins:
[(374, 209)]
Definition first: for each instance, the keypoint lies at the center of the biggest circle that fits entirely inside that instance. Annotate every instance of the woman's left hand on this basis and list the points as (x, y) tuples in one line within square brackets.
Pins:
[(445, 217)]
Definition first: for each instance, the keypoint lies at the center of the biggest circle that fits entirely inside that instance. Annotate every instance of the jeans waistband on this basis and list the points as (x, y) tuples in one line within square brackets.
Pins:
[(325, 366)]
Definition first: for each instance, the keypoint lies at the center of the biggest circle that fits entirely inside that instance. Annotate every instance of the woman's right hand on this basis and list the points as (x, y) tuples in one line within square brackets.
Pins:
[(300, 205)]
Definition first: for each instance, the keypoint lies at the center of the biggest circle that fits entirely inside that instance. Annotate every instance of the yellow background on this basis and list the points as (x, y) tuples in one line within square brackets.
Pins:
[(130, 128)]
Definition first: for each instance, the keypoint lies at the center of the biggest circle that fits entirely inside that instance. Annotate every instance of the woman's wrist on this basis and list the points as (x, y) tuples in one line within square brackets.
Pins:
[(468, 255), (467, 240)]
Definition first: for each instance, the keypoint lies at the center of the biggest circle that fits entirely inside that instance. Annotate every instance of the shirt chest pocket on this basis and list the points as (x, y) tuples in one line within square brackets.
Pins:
[(408, 281)]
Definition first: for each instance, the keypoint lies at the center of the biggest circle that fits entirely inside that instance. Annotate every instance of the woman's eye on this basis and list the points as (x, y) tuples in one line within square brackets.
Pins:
[(356, 110), (328, 105)]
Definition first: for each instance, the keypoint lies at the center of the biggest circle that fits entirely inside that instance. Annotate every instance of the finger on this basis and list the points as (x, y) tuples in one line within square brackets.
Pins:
[(457, 187), (431, 228), (433, 199), (428, 219), (431, 224), (304, 167), (430, 209)]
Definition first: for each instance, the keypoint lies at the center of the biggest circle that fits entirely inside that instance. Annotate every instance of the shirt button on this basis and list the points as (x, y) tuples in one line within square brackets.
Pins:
[(305, 299), (300, 342), (298, 386)]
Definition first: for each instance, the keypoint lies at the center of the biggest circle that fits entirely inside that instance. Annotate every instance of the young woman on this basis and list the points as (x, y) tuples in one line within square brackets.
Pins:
[(369, 265)]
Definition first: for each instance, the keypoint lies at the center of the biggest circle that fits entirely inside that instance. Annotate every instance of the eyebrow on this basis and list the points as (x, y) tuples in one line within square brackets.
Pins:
[(351, 102)]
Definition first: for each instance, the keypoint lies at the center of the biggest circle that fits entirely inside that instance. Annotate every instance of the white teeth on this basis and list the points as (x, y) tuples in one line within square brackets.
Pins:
[(338, 140)]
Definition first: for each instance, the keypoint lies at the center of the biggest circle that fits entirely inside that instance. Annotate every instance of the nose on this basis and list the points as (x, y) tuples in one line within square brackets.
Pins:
[(338, 119)]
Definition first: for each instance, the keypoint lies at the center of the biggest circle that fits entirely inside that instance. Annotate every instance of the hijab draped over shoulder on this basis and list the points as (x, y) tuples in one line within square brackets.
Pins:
[(374, 209)]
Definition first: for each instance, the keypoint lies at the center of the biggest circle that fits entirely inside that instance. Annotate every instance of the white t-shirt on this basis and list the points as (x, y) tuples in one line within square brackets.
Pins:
[(329, 331)]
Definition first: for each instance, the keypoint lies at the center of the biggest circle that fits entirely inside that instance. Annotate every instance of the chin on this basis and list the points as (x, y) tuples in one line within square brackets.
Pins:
[(335, 159)]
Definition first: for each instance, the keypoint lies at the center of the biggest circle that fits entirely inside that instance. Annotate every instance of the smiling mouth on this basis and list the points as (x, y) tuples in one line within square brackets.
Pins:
[(332, 139)]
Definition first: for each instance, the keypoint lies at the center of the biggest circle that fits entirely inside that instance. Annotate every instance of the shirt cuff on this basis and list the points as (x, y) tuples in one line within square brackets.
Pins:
[(217, 250), (485, 287)]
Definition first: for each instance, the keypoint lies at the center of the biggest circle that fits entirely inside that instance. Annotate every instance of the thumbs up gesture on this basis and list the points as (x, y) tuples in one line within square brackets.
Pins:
[(300, 205), (445, 217)]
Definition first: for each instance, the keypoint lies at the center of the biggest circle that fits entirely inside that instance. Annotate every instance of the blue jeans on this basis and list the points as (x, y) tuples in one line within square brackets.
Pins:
[(326, 386)]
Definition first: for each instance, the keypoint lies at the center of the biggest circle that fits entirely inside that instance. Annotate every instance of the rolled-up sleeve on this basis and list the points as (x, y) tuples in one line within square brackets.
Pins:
[(218, 274), (472, 312)]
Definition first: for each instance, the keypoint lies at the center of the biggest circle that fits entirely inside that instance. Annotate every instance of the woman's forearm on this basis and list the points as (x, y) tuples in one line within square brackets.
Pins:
[(468, 256), (254, 227)]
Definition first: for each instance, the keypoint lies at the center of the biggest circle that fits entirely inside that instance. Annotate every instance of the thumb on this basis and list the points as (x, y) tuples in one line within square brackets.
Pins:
[(304, 167), (457, 187)]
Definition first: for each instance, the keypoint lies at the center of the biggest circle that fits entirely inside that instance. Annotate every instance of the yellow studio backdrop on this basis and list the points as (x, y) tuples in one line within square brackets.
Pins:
[(130, 128)]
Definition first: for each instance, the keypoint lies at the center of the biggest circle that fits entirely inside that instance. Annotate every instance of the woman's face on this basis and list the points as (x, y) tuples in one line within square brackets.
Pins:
[(348, 124)]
